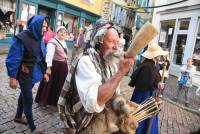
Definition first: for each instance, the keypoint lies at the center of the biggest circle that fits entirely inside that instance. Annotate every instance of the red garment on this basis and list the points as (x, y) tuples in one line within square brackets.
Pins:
[(48, 36)]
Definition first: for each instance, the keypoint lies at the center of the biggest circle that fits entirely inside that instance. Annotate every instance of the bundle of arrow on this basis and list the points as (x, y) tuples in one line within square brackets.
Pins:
[(145, 110)]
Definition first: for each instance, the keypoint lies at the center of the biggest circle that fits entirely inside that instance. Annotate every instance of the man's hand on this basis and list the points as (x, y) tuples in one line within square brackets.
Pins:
[(13, 83), (125, 64)]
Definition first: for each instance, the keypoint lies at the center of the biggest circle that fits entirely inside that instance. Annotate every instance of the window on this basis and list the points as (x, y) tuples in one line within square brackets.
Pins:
[(59, 19), (24, 14), (196, 55), (166, 34), (71, 23), (27, 12), (179, 49), (7, 18), (32, 11), (184, 24)]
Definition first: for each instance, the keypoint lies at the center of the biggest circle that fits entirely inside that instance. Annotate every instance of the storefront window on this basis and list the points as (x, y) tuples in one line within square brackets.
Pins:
[(184, 24), (166, 34), (24, 14), (87, 23), (82, 22), (71, 23), (180, 47), (7, 18), (27, 12), (196, 55), (32, 11), (49, 13), (59, 20)]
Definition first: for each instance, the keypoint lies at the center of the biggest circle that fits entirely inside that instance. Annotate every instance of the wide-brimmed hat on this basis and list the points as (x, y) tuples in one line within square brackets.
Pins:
[(153, 51), (61, 27)]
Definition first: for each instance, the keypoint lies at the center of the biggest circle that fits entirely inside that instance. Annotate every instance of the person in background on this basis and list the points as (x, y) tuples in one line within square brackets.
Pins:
[(25, 64), (147, 80), (120, 49), (69, 36), (78, 43), (185, 79), (48, 35), (88, 36), (165, 60), (57, 69)]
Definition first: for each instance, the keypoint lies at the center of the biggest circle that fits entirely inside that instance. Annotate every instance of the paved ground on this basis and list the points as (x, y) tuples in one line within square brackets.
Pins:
[(4, 49), (170, 92), (173, 119)]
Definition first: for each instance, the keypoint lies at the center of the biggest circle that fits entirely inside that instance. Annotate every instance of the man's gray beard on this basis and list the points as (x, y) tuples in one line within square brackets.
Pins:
[(108, 57)]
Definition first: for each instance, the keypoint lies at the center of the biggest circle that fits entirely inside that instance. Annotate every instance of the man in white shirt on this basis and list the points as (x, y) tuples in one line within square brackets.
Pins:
[(96, 80)]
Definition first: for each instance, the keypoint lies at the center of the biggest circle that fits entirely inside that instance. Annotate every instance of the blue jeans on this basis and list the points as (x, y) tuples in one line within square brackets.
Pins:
[(25, 102)]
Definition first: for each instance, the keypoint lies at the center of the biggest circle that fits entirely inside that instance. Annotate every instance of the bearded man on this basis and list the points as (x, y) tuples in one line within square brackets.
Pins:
[(93, 82)]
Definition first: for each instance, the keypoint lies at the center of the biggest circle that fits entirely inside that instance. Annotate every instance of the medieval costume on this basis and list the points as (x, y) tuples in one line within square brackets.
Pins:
[(145, 79), (78, 103), (49, 92), (90, 74), (25, 63)]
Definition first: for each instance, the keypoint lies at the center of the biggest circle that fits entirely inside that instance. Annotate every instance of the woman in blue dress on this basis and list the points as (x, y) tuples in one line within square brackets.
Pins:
[(146, 80)]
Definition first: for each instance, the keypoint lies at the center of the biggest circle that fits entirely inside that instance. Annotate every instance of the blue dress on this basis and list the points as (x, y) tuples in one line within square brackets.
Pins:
[(145, 80), (139, 96)]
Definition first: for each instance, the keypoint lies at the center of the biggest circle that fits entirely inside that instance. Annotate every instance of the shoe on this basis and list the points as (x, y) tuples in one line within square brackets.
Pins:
[(21, 120), (36, 131), (187, 104), (161, 96)]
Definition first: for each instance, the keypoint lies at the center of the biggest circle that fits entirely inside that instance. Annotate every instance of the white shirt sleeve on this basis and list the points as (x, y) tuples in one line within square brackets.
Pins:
[(88, 82), (50, 53)]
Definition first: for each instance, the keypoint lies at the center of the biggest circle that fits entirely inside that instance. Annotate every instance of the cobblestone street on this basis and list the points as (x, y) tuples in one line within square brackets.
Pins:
[(173, 119)]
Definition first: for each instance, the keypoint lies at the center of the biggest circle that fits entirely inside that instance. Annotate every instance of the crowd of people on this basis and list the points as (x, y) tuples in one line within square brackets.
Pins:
[(83, 93)]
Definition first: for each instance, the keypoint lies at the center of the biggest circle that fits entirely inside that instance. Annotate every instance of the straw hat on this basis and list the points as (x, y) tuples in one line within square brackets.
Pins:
[(61, 27), (153, 51)]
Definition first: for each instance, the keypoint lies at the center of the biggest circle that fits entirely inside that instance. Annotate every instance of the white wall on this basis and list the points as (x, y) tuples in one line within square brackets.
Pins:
[(182, 4)]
